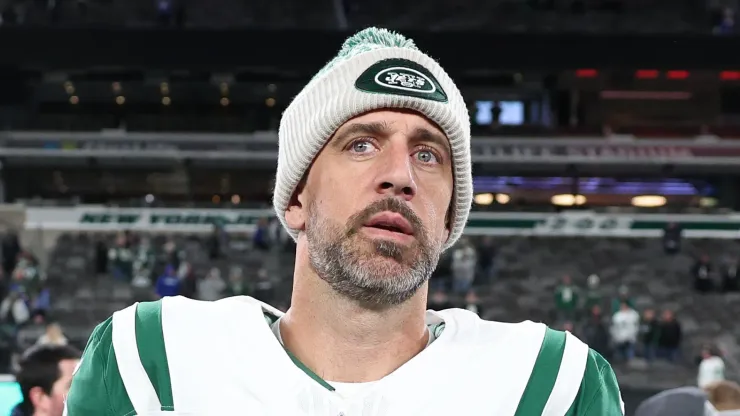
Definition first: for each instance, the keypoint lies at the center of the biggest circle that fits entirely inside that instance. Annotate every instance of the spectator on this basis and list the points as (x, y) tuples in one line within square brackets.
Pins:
[(101, 257), (624, 329), (702, 274), (593, 297), (730, 276), (214, 243), (173, 255), (649, 334), (464, 264), (14, 308), (672, 236), (188, 280), (472, 303), (596, 333), (52, 336), (439, 301), (144, 259), (261, 237), (487, 260), (711, 368), (212, 287), (168, 284), (725, 397), (11, 249), (121, 259), (44, 378), (669, 340), (41, 303), (237, 286), (623, 295), (566, 300), (264, 288)]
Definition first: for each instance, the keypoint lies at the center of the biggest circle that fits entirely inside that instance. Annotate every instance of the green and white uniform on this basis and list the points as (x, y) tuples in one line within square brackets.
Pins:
[(180, 357)]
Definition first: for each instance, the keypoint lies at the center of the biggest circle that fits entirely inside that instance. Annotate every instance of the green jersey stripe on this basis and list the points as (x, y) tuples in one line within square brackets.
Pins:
[(544, 374), (152, 351)]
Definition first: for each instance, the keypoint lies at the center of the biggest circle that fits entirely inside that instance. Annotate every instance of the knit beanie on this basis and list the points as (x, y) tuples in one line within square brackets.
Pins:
[(375, 69)]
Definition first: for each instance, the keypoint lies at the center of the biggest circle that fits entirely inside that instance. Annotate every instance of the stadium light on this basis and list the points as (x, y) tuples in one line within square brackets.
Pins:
[(649, 201), (270, 102), (74, 100), (503, 198), (116, 87), (235, 199), (164, 88), (166, 101), (225, 101), (483, 199), (120, 100), (69, 87), (567, 200)]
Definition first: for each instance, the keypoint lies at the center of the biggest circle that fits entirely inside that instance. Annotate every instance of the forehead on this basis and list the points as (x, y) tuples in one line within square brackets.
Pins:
[(67, 367)]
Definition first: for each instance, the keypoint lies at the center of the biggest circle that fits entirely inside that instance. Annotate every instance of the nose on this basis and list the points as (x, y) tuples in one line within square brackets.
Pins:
[(396, 174)]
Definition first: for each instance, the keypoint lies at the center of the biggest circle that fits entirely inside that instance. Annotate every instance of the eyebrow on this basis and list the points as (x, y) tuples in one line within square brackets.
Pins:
[(381, 128)]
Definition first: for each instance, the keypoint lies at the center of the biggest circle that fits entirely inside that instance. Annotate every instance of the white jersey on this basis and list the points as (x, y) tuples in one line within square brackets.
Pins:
[(180, 357), (711, 370)]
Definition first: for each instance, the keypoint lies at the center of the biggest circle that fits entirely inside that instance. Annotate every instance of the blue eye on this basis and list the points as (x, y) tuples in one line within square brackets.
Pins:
[(361, 146), (426, 156)]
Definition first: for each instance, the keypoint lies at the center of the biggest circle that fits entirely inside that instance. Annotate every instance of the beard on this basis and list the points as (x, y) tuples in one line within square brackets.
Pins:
[(377, 273)]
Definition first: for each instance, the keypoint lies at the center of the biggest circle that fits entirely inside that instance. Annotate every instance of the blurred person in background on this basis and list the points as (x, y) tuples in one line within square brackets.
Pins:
[(701, 271), (44, 377), (669, 338), (188, 280), (596, 332), (11, 248), (101, 256), (261, 236), (623, 296), (730, 276), (464, 264), (672, 235), (121, 259), (566, 300), (168, 284), (593, 296), (711, 367), (472, 303), (439, 300), (649, 334), (144, 258), (237, 285), (212, 286), (625, 326), (172, 254), (264, 288), (53, 335), (725, 397)]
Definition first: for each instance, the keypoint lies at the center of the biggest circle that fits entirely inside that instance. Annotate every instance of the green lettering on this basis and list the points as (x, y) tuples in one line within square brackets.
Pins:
[(191, 219), (128, 218)]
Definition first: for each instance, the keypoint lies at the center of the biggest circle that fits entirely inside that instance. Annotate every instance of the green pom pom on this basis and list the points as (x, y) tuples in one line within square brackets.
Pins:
[(374, 36), (365, 41)]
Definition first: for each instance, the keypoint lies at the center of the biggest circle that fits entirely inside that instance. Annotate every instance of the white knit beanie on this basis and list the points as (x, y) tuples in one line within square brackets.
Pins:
[(375, 69)]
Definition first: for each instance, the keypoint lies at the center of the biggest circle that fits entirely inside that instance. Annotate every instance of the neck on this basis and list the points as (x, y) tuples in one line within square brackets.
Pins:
[(342, 341)]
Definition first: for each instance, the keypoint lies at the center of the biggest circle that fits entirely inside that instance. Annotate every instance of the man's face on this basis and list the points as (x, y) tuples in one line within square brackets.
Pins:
[(52, 404), (374, 206)]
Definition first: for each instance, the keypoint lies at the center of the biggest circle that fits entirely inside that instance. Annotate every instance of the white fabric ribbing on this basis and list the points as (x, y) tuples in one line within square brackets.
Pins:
[(331, 99)]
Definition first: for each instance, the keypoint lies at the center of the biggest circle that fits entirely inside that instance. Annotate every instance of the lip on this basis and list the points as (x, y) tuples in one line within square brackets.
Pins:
[(373, 232), (392, 219)]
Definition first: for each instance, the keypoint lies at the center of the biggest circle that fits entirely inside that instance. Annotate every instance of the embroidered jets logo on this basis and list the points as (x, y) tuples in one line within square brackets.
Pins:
[(401, 77)]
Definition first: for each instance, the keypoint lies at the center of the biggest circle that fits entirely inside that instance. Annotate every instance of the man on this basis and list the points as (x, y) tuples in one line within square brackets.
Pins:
[(44, 377), (624, 330), (373, 182), (711, 368)]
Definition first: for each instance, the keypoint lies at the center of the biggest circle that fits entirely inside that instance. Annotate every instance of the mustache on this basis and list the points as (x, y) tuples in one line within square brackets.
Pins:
[(394, 205)]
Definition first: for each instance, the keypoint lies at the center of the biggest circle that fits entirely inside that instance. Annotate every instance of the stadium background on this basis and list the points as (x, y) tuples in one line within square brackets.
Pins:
[(596, 123)]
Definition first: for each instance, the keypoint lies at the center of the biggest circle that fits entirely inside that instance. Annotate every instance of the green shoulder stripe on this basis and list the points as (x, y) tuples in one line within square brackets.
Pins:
[(544, 374), (599, 392), (152, 352), (97, 388)]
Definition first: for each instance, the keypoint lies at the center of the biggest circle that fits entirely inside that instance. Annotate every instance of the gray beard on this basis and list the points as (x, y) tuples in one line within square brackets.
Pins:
[(375, 273)]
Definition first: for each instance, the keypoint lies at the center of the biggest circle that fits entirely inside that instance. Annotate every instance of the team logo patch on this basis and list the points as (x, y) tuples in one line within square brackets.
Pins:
[(401, 77)]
